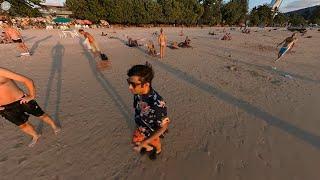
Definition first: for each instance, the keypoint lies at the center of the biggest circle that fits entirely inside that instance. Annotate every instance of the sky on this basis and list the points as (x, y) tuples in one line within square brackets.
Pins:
[(287, 5)]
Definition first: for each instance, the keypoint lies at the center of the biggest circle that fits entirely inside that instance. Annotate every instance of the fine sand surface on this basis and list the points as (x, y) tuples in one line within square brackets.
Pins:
[(250, 123)]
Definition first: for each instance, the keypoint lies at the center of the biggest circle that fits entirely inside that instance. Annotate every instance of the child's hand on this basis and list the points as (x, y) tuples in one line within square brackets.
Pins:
[(137, 148)]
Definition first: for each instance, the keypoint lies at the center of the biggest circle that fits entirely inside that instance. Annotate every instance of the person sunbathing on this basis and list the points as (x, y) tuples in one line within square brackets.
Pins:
[(173, 45), (246, 31), (212, 33)]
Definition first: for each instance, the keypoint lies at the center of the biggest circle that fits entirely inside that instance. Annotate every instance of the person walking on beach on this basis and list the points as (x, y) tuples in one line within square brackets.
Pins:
[(150, 111), (162, 39), (15, 36), (91, 43), (288, 44), (15, 105)]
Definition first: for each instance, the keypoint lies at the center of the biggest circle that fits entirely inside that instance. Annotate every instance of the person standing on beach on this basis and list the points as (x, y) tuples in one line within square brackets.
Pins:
[(150, 111), (162, 39), (14, 35), (15, 105)]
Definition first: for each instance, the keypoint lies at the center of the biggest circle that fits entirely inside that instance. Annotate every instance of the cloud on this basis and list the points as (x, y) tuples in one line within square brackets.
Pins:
[(299, 4)]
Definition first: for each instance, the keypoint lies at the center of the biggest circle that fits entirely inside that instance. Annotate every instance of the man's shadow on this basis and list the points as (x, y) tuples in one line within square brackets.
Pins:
[(36, 44), (57, 53)]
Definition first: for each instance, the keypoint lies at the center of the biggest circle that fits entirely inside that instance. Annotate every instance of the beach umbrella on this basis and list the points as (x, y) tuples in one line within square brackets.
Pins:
[(87, 22), (62, 20)]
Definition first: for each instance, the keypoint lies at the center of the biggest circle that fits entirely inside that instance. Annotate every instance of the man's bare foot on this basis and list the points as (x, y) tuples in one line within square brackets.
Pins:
[(34, 141)]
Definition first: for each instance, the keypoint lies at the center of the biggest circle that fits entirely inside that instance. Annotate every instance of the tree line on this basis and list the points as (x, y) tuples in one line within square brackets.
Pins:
[(186, 12)]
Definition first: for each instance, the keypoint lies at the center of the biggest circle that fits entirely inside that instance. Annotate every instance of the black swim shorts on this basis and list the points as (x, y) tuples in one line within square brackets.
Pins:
[(18, 113), (17, 40)]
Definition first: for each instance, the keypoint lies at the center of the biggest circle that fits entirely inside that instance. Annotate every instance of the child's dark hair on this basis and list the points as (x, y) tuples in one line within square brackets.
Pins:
[(145, 72)]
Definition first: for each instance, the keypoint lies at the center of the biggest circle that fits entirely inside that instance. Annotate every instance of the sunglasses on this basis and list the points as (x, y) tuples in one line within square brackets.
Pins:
[(133, 84)]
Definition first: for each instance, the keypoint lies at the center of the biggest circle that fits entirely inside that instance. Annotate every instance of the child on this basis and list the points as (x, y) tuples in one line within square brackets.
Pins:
[(150, 111)]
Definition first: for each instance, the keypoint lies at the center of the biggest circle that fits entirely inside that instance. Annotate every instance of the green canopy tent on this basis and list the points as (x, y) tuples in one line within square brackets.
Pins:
[(62, 20)]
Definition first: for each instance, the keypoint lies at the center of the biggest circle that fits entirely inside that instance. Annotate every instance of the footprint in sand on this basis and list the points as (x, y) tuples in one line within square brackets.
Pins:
[(219, 167), (3, 159), (22, 160)]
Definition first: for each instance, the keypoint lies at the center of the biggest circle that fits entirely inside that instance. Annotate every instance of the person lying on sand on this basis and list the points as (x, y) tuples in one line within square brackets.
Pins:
[(104, 34), (226, 37), (173, 45), (212, 33), (16, 106), (15, 36), (286, 44), (186, 43), (246, 31), (150, 111), (151, 49)]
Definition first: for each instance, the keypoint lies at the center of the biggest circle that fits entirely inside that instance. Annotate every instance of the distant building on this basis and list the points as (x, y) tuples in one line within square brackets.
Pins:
[(58, 10)]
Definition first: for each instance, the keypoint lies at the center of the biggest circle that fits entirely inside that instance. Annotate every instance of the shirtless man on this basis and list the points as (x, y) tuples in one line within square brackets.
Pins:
[(286, 43), (15, 105), (14, 35), (162, 39)]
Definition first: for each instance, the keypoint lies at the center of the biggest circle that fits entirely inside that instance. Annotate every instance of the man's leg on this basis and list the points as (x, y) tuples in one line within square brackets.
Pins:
[(161, 52), (29, 129), (47, 119)]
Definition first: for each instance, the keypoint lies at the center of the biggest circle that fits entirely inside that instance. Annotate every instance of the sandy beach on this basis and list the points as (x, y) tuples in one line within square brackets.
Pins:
[(251, 122)]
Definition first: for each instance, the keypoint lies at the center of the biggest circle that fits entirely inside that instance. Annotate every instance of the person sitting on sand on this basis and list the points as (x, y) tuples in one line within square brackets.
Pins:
[(104, 34), (286, 43), (226, 37), (15, 36), (15, 105), (150, 111), (132, 42), (186, 43), (151, 49)]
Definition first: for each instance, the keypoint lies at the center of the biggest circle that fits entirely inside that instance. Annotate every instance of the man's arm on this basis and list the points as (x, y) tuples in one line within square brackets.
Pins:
[(20, 78)]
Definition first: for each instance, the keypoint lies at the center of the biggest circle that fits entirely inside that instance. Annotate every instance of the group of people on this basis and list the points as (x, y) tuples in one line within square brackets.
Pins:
[(150, 109)]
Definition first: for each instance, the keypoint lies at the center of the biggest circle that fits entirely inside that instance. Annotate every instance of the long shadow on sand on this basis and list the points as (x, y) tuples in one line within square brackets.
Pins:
[(36, 44), (308, 137), (57, 53), (107, 86)]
